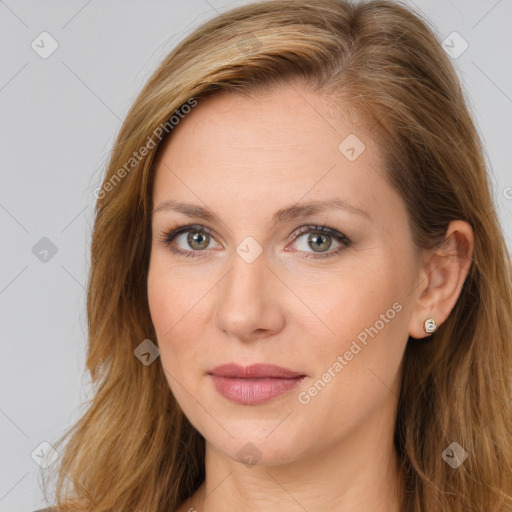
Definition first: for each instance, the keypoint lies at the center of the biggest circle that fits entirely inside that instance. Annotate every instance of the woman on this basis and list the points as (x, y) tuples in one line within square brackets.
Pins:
[(300, 294)]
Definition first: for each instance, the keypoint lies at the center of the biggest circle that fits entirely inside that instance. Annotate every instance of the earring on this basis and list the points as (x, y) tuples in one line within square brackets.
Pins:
[(430, 326)]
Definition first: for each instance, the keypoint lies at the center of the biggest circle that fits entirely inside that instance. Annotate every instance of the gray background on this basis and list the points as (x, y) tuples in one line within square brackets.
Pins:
[(59, 119)]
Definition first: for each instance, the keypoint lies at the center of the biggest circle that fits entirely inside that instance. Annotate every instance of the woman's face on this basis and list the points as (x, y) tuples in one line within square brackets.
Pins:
[(244, 290)]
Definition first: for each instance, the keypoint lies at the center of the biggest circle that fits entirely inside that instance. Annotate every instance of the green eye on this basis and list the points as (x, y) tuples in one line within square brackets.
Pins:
[(318, 242), (199, 237)]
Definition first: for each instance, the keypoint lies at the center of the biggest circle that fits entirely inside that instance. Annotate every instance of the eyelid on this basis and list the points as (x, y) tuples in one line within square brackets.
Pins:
[(167, 236), (341, 238)]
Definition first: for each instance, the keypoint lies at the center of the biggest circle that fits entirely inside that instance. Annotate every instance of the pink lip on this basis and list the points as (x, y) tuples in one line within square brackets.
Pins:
[(253, 384)]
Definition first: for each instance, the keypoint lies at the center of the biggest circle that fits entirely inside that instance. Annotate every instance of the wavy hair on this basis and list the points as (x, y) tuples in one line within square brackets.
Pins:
[(133, 448)]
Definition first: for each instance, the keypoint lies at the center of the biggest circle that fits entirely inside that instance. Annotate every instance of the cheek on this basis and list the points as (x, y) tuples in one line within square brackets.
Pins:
[(175, 336), (355, 299), (367, 314), (162, 301), (171, 293), (355, 367), (171, 305), (180, 304)]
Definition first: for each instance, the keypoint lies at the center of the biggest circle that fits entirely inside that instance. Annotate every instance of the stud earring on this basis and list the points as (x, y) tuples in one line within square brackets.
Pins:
[(430, 326)]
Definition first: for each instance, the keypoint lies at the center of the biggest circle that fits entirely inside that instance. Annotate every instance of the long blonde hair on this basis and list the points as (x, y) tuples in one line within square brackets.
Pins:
[(133, 449)]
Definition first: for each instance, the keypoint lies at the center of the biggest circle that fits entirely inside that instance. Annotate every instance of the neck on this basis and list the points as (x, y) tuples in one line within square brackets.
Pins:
[(361, 473)]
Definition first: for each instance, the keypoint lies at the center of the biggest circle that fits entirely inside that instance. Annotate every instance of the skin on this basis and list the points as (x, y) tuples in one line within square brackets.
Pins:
[(246, 158)]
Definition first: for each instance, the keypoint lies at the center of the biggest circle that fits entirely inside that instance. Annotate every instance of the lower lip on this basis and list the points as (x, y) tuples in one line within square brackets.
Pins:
[(253, 391)]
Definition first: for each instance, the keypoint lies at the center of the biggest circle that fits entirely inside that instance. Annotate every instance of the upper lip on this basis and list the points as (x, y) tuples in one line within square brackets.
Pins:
[(254, 371)]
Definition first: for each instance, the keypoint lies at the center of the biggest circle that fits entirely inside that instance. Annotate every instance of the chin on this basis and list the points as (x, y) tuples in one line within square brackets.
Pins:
[(263, 446)]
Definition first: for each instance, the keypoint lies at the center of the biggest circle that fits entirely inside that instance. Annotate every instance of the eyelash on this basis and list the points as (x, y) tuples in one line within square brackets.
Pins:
[(168, 236)]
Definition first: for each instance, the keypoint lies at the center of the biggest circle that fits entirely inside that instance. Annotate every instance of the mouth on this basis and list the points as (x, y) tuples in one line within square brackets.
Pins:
[(255, 384)]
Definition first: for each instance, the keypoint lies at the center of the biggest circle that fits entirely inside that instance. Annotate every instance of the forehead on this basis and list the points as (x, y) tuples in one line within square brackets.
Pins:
[(248, 154)]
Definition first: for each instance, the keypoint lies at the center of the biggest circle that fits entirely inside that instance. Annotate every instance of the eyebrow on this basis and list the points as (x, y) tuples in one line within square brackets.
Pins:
[(286, 214)]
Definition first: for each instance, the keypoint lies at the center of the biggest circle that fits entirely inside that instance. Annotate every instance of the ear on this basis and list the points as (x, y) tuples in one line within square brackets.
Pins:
[(441, 278)]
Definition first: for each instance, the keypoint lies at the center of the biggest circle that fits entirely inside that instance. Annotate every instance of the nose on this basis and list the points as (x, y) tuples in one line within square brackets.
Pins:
[(250, 304)]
